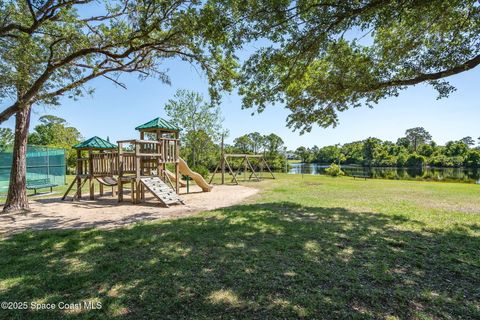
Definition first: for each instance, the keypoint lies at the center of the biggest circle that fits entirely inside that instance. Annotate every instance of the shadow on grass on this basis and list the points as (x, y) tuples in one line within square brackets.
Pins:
[(260, 261)]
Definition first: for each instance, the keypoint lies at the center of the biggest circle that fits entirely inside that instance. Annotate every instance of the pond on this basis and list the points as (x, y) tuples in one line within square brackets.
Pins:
[(429, 173)]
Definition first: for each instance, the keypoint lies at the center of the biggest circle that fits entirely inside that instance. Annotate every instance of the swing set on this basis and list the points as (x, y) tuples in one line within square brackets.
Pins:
[(245, 164)]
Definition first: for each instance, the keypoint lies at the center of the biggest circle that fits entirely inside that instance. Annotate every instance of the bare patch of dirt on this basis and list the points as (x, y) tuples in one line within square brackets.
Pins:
[(106, 212)]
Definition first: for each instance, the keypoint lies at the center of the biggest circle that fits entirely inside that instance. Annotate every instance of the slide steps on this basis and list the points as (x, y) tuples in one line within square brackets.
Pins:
[(161, 191)]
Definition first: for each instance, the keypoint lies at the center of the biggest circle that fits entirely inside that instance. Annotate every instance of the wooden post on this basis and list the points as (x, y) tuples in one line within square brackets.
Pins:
[(158, 150), (133, 187), (90, 162), (137, 196), (245, 169), (112, 164), (92, 188), (177, 168), (253, 170), (100, 186), (76, 195), (79, 172), (120, 173), (214, 173), (268, 168), (231, 171), (222, 160), (120, 190), (90, 173)]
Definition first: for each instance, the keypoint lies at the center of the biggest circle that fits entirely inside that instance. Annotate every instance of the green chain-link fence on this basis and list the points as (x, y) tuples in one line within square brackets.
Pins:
[(42, 163)]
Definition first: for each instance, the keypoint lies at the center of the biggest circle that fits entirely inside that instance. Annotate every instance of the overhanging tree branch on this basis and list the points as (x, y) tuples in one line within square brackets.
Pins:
[(8, 112), (423, 77)]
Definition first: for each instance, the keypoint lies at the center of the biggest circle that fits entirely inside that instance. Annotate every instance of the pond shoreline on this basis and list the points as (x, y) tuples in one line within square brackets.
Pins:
[(441, 174)]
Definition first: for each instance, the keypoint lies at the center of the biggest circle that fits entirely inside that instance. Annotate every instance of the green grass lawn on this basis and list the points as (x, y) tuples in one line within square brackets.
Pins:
[(316, 247)]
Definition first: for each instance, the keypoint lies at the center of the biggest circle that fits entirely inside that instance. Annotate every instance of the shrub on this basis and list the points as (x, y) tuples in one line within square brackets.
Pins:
[(416, 161), (334, 170), (473, 159), (278, 162), (402, 159)]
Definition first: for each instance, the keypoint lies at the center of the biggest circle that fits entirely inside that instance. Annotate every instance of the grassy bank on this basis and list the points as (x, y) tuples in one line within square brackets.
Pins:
[(316, 247)]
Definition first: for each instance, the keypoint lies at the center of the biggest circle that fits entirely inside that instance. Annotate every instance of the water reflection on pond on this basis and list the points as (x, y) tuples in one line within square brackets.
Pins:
[(435, 174)]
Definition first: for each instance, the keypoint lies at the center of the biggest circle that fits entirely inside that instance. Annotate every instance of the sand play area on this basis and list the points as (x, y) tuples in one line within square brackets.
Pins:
[(106, 212)]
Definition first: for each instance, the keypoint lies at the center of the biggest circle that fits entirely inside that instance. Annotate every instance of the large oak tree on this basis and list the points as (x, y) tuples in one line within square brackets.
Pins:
[(52, 48)]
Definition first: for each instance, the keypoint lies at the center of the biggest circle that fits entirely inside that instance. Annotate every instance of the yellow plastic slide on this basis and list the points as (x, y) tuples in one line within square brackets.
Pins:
[(171, 175), (185, 170)]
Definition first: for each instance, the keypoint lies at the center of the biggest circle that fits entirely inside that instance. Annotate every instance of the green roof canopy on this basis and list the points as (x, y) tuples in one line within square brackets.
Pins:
[(158, 123), (95, 143)]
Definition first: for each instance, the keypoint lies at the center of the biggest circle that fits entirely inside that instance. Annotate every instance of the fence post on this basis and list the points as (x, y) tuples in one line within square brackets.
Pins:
[(64, 166), (48, 163)]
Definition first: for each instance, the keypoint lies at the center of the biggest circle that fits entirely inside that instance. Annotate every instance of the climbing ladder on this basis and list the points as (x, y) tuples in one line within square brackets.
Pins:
[(161, 191)]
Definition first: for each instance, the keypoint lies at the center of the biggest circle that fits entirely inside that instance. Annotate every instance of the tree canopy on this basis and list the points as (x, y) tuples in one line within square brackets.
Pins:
[(304, 154), (53, 48), (56, 132), (417, 136), (324, 57), (200, 121), (468, 141)]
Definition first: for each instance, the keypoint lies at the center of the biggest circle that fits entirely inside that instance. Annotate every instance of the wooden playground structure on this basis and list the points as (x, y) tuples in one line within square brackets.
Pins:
[(139, 164), (245, 165)]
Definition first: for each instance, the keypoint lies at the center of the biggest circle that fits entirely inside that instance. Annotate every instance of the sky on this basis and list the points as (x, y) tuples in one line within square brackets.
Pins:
[(114, 112)]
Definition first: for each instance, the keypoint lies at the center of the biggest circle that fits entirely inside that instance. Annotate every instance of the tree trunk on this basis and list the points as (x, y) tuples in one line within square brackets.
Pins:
[(17, 200)]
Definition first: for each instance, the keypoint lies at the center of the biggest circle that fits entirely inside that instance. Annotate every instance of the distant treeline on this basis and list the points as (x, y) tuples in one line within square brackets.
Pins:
[(415, 149), (271, 146)]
